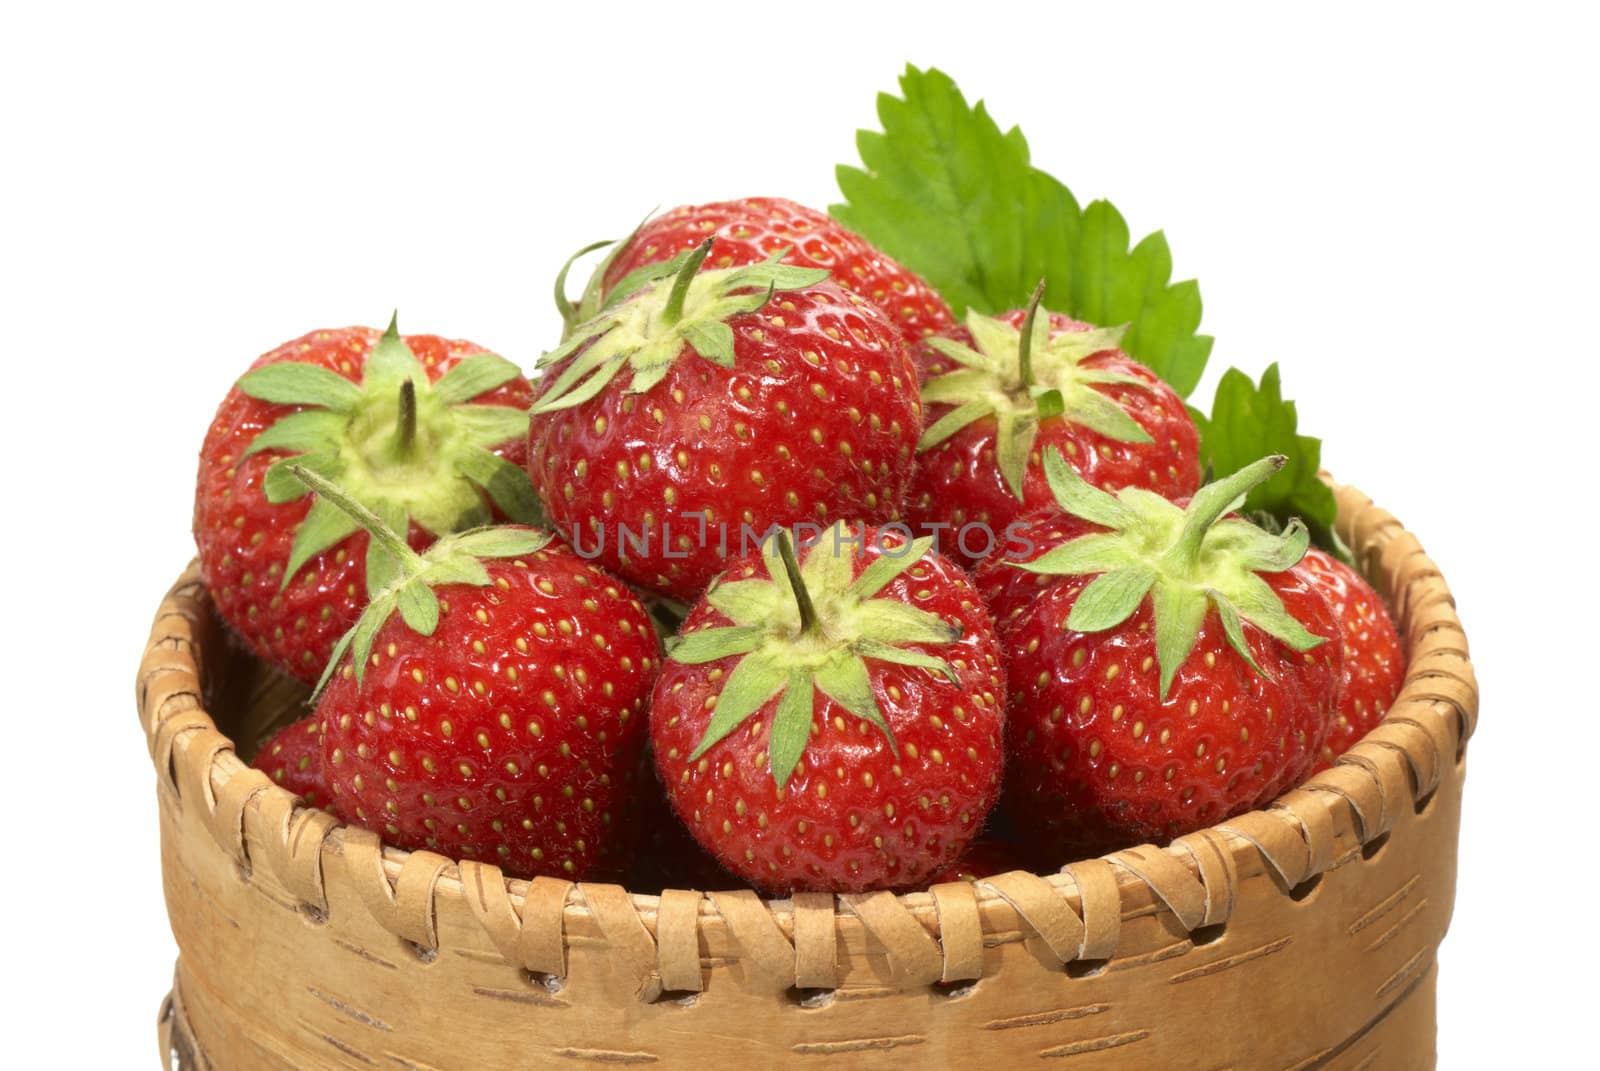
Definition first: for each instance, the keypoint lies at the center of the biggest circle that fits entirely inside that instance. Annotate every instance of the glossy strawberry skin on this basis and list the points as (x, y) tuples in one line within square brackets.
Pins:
[(292, 757), (1374, 660), (512, 734), (750, 230), (815, 422), (958, 482), (244, 540), (853, 816), (1099, 761)]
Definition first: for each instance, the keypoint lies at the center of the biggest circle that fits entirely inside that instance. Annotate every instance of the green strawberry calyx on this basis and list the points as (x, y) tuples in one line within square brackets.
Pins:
[(409, 450), (454, 559), (1020, 377), (811, 627), (1186, 560), (672, 304)]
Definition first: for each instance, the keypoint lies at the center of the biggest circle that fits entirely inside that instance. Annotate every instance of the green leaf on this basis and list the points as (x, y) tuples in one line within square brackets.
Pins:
[(383, 569), (900, 656), (293, 383), (745, 602), (1110, 599), (791, 727), (845, 681), (281, 485), (1260, 605), (570, 314), (1075, 495), (391, 363), (953, 421), (639, 278), (943, 190), (1098, 413), (366, 629), (894, 622), (1249, 420), (1180, 610), (711, 644), (963, 355), (773, 274), (497, 542), (830, 561), (506, 484), (752, 683), (301, 432), (565, 396), (456, 570), (325, 525), (1013, 443), (1099, 552), (1234, 629), (474, 375), (882, 570), (1258, 550), (1052, 404), (490, 425), (711, 339), (419, 607)]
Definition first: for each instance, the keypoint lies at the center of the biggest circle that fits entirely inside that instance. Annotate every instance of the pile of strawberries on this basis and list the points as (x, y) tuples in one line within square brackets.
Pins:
[(773, 574)]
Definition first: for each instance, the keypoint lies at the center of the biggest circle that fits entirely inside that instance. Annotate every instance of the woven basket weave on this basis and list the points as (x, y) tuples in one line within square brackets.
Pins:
[(1302, 936)]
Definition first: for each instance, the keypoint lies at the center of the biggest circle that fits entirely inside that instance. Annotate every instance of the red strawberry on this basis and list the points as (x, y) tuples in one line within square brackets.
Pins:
[(428, 433), (1000, 392), (834, 725), (749, 231), (983, 858), (1374, 661), (292, 757), (499, 715), (679, 425), (1171, 672)]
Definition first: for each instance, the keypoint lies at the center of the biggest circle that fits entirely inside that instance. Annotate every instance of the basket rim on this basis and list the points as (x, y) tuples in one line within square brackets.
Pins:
[(1077, 911)]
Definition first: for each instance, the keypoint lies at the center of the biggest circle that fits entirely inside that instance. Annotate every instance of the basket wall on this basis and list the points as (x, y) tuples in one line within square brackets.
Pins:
[(1302, 936)]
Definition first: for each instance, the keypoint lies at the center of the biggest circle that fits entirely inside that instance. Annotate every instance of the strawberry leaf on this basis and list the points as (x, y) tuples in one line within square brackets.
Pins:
[(791, 728), (753, 681), (946, 192), (292, 383), (474, 375), (1248, 420)]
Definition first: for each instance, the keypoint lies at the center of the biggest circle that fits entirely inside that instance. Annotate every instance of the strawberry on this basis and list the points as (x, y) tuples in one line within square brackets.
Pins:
[(499, 714), (1374, 661), (428, 433), (750, 230), (1000, 392), (1171, 669), (292, 757), (835, 725), (747, 397)]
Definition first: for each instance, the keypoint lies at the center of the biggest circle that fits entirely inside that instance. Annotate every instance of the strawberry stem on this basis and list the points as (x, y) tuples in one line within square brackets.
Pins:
[(1208, 506), (409, 560), (802, 598), (406, 435), (680, 285), (1025, 347)]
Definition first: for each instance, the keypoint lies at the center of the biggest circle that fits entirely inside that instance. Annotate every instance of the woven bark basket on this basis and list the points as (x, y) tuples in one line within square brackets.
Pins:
[(1301, 936)]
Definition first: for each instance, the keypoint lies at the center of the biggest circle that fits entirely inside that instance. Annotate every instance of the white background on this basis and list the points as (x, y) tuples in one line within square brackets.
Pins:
[(1398, 207)]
